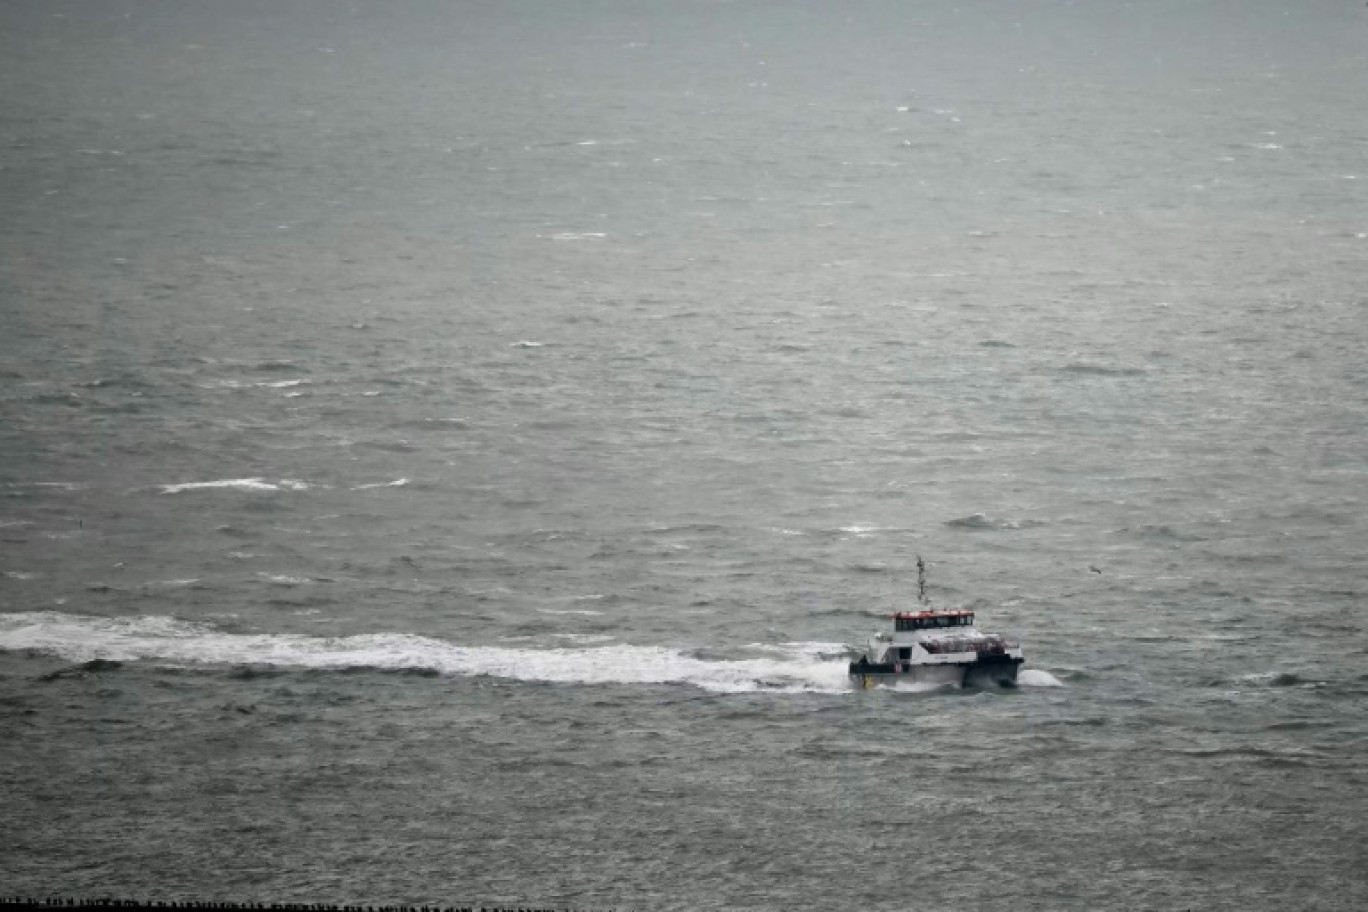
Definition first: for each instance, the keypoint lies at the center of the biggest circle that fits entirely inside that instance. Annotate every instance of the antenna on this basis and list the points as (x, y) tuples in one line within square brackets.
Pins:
[(921, 580)]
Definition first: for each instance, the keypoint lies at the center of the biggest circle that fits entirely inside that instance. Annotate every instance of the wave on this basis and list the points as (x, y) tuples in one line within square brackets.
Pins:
[(863, 530), (1301, 725), (574, 235), (170, 641), (281, 579), (272, 364), (1277, 679), (978, 522), (84, 669), (53, 485), (1101, 370), (236, 484)]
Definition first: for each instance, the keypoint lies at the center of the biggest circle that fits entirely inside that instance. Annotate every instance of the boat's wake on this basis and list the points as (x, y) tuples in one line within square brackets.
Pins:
[(1035, 677), (166, 641), (794, 668), (1027, 677)]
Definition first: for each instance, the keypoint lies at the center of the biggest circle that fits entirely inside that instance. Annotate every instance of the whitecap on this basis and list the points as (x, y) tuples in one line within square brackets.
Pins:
[(281, 579), (59, 485), (397, 483), (235, 484), (1277, 679), (861, 530)]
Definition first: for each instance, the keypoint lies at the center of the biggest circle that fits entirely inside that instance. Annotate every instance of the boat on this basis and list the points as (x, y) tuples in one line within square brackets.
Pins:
[(937, 647)]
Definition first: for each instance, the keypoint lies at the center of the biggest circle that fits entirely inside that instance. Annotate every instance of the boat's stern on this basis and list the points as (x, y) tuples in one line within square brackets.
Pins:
[(994, 669)]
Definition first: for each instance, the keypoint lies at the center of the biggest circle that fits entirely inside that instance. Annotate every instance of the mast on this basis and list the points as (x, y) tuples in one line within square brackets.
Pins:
[(921, 581)]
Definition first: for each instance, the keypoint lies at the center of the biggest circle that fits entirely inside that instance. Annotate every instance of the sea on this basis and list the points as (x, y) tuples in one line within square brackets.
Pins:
[(450, 451)]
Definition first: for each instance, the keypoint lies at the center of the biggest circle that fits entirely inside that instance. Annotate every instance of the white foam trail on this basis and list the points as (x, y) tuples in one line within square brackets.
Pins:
[(168, 640), (813, 649), (582, 637), (1035, 677), (236, 484)]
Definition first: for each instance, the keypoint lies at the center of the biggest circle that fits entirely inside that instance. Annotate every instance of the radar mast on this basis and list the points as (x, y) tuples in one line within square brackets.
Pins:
[(921, 582)]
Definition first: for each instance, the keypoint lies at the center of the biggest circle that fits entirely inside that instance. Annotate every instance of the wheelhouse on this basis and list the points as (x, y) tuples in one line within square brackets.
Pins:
[(932, 620)]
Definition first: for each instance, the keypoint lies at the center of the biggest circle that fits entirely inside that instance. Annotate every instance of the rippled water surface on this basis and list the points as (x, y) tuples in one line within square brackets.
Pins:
[(449, 450)]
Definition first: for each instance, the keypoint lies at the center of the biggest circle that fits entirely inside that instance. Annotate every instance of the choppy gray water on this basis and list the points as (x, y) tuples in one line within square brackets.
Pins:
[(448, 448)]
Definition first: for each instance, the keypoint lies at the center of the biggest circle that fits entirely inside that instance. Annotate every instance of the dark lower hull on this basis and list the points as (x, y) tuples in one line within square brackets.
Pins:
[(986, 671)]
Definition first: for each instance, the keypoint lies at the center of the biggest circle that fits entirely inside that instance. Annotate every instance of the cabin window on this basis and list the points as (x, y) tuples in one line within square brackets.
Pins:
[(901, 622), (905, 653)]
